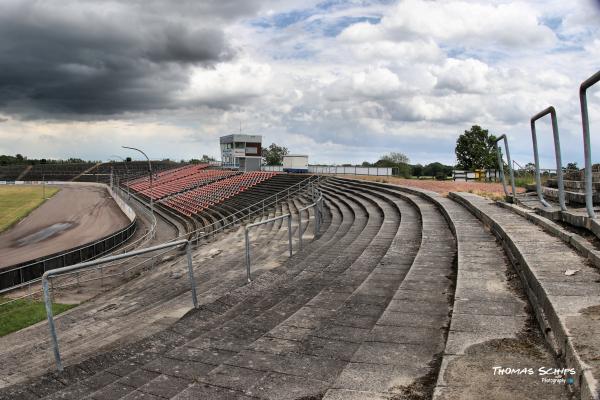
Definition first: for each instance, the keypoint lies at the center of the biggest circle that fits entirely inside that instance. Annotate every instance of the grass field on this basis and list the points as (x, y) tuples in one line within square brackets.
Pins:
[(16, 202), (23, 313)]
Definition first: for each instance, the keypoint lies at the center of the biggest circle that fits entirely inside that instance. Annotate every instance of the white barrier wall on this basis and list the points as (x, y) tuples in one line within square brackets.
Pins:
[(329, 169)]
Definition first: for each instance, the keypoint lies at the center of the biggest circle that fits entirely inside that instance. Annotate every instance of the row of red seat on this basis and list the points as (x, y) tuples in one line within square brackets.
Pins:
[(196, 200), (200, 178), (166, 176), (144, 178)]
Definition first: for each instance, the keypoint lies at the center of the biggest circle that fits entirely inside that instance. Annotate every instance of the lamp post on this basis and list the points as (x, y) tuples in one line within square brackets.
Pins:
[(126, 172), (150, 173)]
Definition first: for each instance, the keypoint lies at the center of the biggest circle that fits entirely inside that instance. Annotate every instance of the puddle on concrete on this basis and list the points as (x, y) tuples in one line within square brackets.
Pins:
[(45, 233)]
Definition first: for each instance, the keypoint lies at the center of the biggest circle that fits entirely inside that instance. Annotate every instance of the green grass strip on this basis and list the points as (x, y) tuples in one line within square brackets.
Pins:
[(23, 313)]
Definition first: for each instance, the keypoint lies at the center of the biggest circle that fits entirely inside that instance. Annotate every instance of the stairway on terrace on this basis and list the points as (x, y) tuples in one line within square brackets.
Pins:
[(404, 294)]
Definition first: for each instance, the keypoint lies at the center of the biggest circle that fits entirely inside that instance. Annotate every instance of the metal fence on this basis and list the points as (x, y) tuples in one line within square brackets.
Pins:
[(336, 170), (480, 175)]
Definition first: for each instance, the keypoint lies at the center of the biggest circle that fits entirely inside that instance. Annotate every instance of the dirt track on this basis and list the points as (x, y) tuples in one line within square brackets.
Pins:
[(76, 215), (443, 187)]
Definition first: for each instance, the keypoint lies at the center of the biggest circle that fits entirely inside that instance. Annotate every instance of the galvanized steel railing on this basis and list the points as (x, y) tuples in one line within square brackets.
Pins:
[(501, 166), (75, 269), (59, 271), (247, 238), (318, 205), (587, 152), (559, 172), (318, 215), (247, 212)]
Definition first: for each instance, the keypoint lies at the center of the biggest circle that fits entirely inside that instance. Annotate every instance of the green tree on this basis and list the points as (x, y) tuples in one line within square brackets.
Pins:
[(396, 158), (398, 161), (570, 166), (273, 155), (475, 149), (417, 170)]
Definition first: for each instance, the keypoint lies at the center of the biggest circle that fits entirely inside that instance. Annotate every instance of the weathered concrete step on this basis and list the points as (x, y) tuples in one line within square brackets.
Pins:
[(565, 305), (398, 355), (571, 197), (130, 299), (257, 363), (490, 325), (574, 186), (222, 336), (309, 344)]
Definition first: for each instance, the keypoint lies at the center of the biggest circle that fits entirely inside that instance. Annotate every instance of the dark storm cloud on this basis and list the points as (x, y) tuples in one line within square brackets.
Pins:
[(96, 58)]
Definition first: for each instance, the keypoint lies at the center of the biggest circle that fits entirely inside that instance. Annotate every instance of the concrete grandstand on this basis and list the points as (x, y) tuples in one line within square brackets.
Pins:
[(401, 293)]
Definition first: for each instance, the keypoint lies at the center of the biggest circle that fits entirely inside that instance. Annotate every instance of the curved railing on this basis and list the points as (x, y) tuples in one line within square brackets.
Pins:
[(224, 223)]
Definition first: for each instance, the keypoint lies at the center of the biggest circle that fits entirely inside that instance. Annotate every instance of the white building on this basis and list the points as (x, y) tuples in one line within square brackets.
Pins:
[(236, 147)]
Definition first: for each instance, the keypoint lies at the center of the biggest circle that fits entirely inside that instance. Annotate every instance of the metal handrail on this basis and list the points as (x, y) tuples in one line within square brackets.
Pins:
[(559, 173), (246, 212), (501, 166), (58, 271), (233, 222), (318, 215), (247, 237), (587, 151)]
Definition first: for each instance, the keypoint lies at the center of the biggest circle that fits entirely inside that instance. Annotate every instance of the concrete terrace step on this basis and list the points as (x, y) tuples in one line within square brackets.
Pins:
[(565, 306), (313, 343), (144, 301), (398, 354), (275, 306), (191, 326), (491, 323), (367, 310)]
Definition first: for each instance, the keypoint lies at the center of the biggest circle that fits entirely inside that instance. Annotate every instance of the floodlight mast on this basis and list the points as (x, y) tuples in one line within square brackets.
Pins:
[(149, 172), (126, 171)]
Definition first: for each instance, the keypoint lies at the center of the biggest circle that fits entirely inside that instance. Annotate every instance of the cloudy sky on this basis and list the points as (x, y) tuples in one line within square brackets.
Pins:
[(343, 81)]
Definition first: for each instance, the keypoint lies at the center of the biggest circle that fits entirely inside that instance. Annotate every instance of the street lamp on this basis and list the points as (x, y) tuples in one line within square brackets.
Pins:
[(150, 172), (126, 172)]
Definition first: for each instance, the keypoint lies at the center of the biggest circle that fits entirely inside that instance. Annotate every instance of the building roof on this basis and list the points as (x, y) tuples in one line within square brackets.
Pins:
[(241, 138)]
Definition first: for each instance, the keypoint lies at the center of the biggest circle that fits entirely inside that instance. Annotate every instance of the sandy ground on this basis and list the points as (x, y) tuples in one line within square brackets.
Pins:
[(443, 187), (76, 215)]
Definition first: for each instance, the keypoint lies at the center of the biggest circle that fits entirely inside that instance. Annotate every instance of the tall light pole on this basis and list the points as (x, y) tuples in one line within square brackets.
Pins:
[(149, 172), (126, 171)]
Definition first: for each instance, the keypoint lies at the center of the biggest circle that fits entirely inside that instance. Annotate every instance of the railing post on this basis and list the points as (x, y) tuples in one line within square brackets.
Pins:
[(299, 230), (247, 254), (587, 151), (316, 212), (188, 250), (559, 175), (510, 167), (290, 233), (501, 169), (48, 303)]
